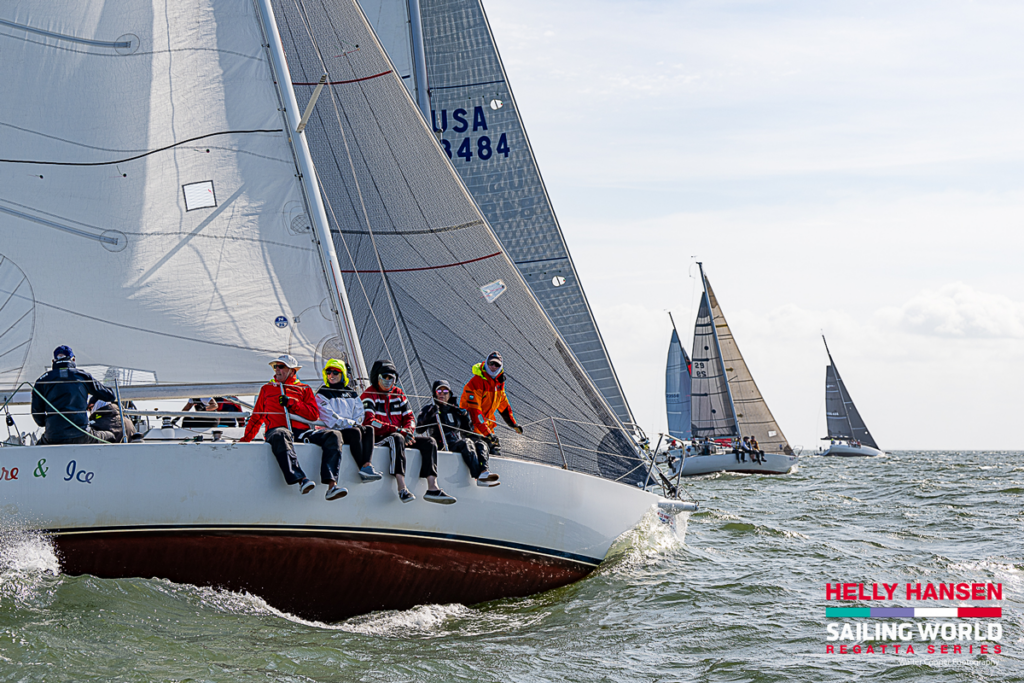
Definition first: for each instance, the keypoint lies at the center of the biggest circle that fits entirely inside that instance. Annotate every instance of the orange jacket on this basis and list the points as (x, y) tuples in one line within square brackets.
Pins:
[(269, 411), (484, 396)]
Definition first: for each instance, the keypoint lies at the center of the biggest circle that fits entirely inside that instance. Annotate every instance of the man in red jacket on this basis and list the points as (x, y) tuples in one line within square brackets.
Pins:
[(282, 406)]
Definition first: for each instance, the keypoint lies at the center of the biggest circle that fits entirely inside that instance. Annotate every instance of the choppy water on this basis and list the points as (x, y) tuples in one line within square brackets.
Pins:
[(741, 600)]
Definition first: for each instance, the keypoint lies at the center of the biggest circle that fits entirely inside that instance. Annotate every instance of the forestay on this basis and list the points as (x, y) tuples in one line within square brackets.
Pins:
[(677, 390), (712, 411), (430, 285), (752, 413), (844, 421), (150, 213), (474, 112)]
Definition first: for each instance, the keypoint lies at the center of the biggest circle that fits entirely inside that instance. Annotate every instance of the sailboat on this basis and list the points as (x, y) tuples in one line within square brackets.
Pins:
[(448, 58), (677, 388), (726, 403), (194, 218), (848, 436)]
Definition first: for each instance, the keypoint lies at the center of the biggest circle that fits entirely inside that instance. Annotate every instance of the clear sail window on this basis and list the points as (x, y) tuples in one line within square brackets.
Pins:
[(199, 195)]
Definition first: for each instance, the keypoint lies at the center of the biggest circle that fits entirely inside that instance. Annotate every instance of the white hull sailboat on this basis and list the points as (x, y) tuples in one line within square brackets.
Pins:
[(726, 403), (848, 436), (185, 224)]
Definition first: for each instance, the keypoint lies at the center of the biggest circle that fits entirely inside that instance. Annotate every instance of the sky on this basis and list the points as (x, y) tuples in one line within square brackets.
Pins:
[(846, 168)]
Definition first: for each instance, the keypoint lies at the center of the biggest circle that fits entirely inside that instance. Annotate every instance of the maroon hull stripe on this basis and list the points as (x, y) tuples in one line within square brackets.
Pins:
[(326, 577)]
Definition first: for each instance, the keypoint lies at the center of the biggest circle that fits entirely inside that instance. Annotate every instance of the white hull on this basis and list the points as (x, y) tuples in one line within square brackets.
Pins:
[(774, 463), (221, 514), (849, 451)]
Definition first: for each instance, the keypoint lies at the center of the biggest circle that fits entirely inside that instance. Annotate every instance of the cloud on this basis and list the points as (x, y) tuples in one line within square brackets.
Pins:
[(957, 311)]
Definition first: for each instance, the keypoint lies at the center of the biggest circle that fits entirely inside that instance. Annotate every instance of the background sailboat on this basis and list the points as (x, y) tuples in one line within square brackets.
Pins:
[(677, 388), (446, 50), (726, 404), (848, 434)]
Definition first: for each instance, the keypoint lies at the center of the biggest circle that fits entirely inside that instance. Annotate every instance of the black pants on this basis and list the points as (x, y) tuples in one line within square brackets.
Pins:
[(46, 440), (359, 440), (474, 452), (493, 445), (424, 444), (282, 440)]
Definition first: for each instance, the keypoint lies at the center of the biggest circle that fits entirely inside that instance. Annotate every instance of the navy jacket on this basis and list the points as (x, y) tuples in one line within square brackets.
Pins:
[(68, 389)]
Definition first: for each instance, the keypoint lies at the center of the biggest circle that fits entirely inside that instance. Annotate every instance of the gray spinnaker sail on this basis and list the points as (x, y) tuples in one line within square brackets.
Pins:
[(752, 413), (841, 415), (475, 114), (429, 283), (677, 390), (713, 415)]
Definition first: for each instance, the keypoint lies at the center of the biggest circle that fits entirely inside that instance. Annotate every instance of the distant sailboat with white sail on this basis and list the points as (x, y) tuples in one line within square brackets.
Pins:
[(848, 436), (726, 403)]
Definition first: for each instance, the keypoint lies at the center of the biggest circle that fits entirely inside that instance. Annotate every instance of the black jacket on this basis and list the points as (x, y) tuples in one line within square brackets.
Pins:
[(108, 419), (454, 419), (68, 390)]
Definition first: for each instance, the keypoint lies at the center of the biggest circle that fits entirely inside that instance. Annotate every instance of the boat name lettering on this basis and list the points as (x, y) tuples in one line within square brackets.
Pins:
[(81, 475), (40, 470), (8, 475)]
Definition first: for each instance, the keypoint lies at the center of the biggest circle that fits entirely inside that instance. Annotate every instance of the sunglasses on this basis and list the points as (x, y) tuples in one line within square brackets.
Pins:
[(279, 366), (387, 376), (334, 372), (442, 390)]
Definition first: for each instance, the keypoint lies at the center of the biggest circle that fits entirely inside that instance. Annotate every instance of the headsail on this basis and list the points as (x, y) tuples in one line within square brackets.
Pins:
[(474, 110), (677, 389), (752, 413), (844, 421), (430, 284), (162, 233), (712, 413)]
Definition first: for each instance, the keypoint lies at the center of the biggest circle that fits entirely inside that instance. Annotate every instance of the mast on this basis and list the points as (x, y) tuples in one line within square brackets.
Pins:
[(311, 190), (419, 59), (718, 346)]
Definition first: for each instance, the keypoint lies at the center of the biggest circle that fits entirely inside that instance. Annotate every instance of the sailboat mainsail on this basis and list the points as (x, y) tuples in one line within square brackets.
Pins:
[(430, 285), (474, 112), (844, 421), (752, 413), (677, 389), (165, 242), (712, 413)]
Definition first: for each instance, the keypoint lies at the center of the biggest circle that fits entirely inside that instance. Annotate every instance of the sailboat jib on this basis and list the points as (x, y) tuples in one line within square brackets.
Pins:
[(172, 212), (677, 389), (752, 413), (474, 113), (711, 408), (418, 257), (841, 415)]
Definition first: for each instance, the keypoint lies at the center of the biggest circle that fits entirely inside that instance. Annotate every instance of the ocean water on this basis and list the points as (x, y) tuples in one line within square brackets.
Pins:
[(741, 598)]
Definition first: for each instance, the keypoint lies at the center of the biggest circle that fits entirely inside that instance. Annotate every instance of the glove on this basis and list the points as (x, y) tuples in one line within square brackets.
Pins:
[(283, 400), (519, 430)]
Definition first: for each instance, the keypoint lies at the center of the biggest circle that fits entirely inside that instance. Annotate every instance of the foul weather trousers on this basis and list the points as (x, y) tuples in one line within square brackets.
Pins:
[(424, 444)]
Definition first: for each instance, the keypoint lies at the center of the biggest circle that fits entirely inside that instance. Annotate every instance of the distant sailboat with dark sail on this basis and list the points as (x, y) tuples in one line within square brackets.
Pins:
[(726, 403), (677, 388), (847, 433)]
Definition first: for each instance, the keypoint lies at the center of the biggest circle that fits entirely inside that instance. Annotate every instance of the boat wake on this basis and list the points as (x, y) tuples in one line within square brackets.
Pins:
[(28, 566)]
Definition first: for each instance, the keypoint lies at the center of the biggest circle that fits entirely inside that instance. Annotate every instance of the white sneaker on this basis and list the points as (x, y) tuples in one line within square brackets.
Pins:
[(306, 485), (336, 492)]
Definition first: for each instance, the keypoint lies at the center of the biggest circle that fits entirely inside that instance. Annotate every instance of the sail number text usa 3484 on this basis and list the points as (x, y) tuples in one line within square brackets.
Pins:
[(481, 146)]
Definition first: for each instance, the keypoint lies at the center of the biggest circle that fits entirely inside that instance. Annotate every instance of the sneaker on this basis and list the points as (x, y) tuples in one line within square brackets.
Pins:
[(336, 492), (405, 495), (487, 476), (305, 486), (484, 482), (367, 473), (438, 496)]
